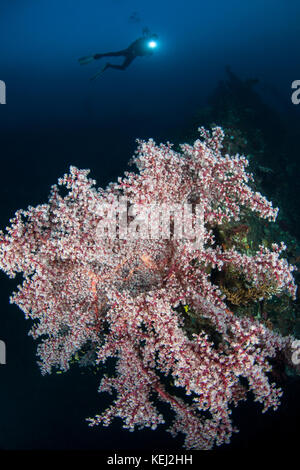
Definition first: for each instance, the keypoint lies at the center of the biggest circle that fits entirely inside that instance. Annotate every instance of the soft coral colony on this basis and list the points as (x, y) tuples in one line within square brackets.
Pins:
[(130, 299)]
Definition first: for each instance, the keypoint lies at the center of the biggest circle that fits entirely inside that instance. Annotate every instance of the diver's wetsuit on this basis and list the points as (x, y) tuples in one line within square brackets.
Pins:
[(137, 48)]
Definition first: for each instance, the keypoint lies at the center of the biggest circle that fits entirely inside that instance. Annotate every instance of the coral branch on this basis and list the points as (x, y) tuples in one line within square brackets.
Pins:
[(148, 299)]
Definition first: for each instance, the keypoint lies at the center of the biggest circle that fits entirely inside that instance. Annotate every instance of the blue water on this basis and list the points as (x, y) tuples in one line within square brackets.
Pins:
[(55, 117)]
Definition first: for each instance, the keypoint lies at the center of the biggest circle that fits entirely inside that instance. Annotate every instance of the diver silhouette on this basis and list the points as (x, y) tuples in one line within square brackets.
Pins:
[(143, 46)]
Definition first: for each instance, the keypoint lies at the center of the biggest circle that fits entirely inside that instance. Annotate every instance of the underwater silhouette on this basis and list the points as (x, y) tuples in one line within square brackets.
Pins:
[(141, 47)]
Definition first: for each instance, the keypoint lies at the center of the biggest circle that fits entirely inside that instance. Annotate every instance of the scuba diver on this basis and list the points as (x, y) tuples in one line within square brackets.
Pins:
[(141, 47)]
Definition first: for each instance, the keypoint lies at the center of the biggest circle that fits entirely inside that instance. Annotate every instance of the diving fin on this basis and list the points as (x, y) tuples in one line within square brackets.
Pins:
[(86, 60), (99, 73)]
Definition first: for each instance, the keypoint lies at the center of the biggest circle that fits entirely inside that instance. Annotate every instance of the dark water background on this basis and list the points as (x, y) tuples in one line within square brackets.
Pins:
[(56, 117)]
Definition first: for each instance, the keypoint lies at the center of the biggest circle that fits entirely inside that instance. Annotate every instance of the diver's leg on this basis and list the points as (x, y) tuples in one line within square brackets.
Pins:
[(123, 66), (110, 54), (90, 58), (127, 61)]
